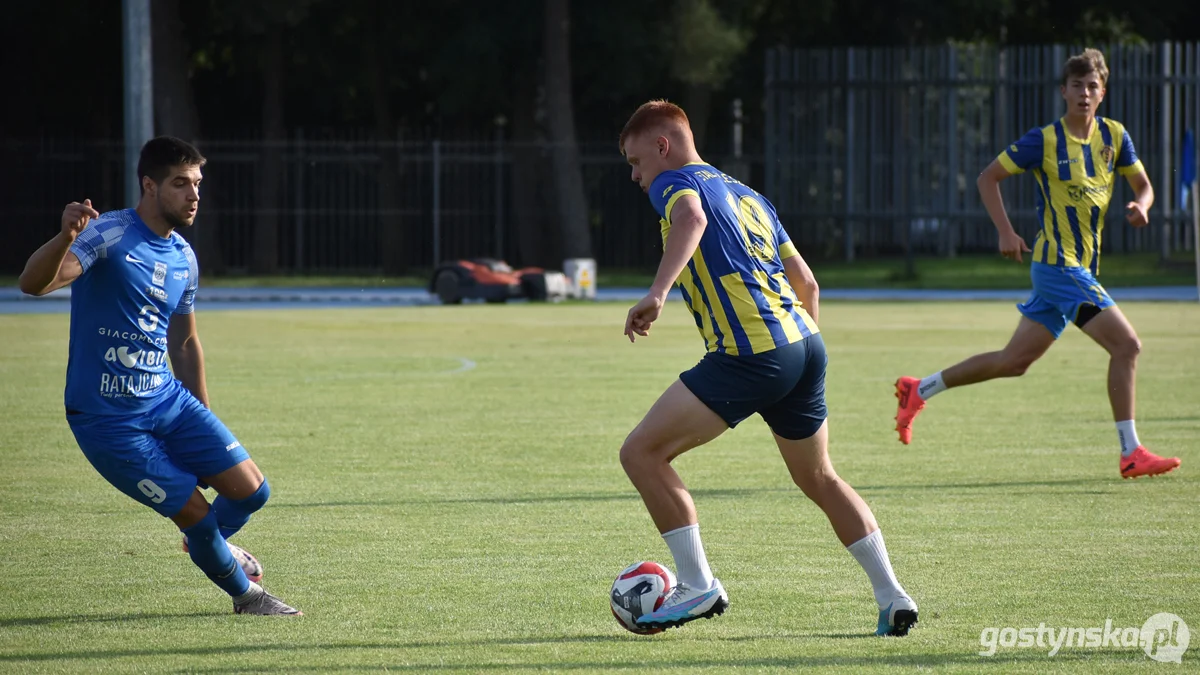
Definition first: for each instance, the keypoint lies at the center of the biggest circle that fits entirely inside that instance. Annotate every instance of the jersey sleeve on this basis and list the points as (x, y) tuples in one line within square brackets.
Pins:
[(666, 190), (187, 303), (94, 241), (1127, 162), (783, 242), (1024, 154)]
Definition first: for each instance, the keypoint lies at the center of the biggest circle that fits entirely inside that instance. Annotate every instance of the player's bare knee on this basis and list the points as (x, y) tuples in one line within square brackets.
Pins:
[(816, 482), (1016, 365), (632, 454), (192, 512), (1127, 348)]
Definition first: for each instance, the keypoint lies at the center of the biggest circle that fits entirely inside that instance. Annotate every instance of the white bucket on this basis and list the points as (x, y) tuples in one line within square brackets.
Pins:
[(582, 273)]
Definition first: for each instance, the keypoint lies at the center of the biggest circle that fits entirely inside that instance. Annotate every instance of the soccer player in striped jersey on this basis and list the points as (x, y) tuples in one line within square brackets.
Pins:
[(754, 301), (1074, 162)]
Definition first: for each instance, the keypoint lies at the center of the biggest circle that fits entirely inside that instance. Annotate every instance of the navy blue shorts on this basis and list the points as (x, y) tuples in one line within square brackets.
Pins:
[(157, 457), (785, 385)]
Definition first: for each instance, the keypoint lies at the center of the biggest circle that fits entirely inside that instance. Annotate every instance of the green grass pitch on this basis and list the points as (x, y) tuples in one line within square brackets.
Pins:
[(431, 516)]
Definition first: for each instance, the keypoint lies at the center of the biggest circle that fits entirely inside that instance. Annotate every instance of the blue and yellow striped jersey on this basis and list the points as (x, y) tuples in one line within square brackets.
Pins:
[(735, 284), (1075, 180)]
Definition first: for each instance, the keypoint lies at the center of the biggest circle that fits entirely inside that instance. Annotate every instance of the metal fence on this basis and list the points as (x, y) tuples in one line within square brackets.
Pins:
[(875, 151), (331, 207), (867, 152)]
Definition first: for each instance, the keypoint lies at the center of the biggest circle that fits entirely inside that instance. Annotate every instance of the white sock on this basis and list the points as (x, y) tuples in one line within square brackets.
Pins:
[(691, 566), (872, 555), (1128, 436), (251, 593), (931, 386)]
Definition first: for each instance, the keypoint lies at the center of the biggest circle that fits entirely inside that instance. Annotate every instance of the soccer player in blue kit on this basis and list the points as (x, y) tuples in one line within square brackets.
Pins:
[(147, 431), (754, 301)]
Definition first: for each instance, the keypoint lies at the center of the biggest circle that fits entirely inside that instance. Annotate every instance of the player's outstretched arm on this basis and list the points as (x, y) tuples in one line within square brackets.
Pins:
[(1137, 211), (187, 356), (1011, 243), (804, 282), (53, 265)]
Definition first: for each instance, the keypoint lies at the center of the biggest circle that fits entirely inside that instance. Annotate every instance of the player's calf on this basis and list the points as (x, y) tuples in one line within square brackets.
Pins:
[(211, 554)]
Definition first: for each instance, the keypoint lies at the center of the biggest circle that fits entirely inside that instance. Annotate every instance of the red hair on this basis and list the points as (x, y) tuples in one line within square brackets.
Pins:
[(653, 115)]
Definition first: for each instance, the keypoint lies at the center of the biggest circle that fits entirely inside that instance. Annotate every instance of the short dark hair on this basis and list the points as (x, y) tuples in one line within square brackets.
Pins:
[(160, 154), (1084, 64)]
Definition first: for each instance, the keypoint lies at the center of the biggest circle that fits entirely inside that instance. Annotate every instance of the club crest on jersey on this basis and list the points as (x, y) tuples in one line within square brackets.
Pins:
[(160, 274), (1107, 153)]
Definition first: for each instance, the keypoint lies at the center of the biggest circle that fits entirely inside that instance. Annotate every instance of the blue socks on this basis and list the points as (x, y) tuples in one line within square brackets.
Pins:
[(209, 551), (233, 515)]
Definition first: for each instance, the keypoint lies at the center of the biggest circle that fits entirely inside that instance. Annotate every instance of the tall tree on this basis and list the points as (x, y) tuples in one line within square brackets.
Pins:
[(391, 228), (704, 48), (270, 172), (176, 114), (564, 148), (537, 239), (264, 27)]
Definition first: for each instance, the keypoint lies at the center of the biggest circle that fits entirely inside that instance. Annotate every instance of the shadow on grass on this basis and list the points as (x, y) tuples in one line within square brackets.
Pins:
[(530, 499), (700, 494), (461, 650), (22, 622), (849, 663)]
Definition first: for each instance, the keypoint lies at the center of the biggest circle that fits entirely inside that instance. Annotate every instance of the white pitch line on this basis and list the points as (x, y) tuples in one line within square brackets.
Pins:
[(463, 366)]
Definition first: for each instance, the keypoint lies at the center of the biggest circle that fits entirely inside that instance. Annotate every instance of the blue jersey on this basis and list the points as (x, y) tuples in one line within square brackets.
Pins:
[(735, 284), (132, 282)]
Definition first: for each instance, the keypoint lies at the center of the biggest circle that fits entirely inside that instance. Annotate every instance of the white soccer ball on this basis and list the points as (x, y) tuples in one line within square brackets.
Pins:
[(640, 589)]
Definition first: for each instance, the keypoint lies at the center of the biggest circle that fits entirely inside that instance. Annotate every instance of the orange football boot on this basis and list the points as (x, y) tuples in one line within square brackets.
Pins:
[(1142, 462), (911, 403)]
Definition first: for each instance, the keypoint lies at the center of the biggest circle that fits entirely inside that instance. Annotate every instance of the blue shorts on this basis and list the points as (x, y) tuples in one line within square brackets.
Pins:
[(1059, 292), (785, 385), (158, 457)]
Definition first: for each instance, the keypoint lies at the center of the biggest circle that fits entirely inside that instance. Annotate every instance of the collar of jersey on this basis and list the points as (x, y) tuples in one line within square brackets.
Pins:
[(1067, 130), (150, 235)]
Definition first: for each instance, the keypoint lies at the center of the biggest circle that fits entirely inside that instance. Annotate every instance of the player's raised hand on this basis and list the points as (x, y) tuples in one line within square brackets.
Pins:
[(641, 315), (1012, 245), (1136, 214), (76, 216)]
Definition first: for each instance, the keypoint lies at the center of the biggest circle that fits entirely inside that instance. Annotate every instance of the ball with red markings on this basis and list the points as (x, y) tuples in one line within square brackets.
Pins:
[(640, 589)]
